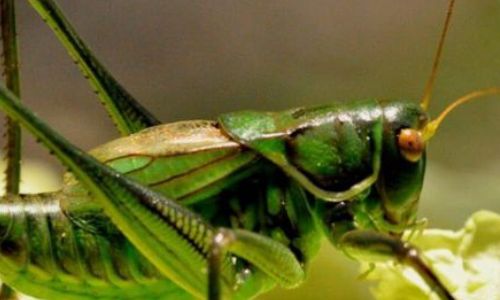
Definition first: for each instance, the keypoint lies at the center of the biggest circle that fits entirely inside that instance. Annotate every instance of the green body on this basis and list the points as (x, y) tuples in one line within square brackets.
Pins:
[(226, 209), (228, 176)]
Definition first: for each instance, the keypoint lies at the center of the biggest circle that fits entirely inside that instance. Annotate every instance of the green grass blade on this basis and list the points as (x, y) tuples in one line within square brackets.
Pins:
[(127, 114)]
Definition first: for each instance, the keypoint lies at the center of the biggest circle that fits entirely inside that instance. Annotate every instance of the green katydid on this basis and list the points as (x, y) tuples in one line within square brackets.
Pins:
[(227, 208)]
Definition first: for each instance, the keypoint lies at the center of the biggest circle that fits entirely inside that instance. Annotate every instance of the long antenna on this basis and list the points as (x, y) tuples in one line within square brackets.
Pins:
[(430, 83), (431, 127)]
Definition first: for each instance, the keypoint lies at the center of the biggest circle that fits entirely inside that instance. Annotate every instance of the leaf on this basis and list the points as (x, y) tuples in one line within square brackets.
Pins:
[(466, 261)]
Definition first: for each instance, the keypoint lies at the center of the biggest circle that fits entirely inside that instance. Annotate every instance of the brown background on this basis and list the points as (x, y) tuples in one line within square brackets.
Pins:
[(197, 59)]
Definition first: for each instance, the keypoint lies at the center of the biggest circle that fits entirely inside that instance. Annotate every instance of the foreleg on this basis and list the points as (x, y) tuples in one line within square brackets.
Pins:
[(269, 256), (372, 246)]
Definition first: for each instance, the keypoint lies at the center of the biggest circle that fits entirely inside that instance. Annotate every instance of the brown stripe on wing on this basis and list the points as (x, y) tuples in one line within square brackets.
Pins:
[(210, 175)]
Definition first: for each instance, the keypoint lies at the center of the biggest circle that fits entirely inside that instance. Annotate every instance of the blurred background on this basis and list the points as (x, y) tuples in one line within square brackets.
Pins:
[(198, 59)]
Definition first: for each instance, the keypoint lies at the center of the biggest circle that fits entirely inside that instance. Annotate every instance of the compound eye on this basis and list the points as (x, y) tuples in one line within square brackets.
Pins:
[(411, 144)]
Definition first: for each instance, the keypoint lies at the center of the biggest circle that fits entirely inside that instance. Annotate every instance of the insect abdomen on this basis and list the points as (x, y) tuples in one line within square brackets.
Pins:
[(43, 253)]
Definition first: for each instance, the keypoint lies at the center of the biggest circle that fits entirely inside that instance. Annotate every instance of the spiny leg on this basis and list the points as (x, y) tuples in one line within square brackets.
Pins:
[(269, 256), (13, 129), (11, 75), (127, 114), (172, 237), (372, 246)]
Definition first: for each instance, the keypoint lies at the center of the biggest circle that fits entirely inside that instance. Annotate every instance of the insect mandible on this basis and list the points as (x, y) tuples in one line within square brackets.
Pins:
[(254, 193)]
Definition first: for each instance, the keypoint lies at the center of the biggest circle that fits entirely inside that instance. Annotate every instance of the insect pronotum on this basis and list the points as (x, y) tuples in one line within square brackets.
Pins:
[(254, 192)]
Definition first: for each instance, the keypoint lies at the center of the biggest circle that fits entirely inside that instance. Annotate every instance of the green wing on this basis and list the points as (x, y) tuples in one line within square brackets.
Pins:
[(187, 161)]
